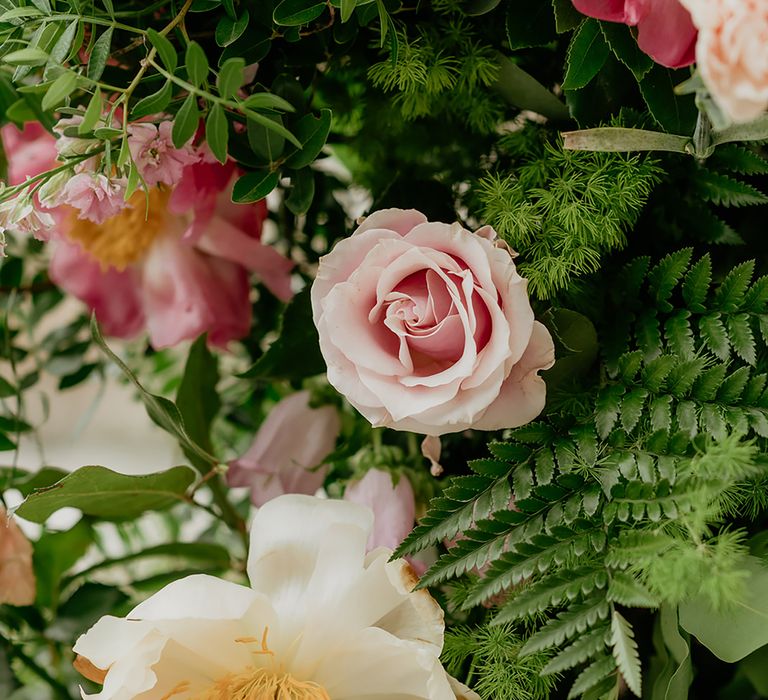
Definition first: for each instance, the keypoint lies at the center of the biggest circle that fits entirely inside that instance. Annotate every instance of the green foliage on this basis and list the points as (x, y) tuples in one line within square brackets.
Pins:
[(618, 502), (443, 69), (563, 210), (497, 672)]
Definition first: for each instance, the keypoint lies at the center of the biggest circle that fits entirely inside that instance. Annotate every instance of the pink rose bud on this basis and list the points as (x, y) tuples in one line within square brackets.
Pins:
[(731, 54), (664, 28), (427, 327), (393, 506), (289, 446), (17, 578)]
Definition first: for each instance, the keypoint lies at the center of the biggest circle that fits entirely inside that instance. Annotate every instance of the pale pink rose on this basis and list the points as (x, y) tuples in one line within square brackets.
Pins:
[(664, 28), (393, 506), (95, 196), (178, 271), (157, 159), (29, 152), (427, 327), (732, 54), (17, 577), (288, 451)]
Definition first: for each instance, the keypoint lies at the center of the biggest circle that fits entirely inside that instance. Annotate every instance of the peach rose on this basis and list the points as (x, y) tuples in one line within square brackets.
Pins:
[(427, 327), (17, 576), (732, 54)]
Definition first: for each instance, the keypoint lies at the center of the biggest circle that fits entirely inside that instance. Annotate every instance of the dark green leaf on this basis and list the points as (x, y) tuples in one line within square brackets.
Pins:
[(54, 554), (302, 191), (312, 132), (229, 30), (586, 55), (252, 187), (162, 411), (675, 114), (296, 352), (108, 495), (530, 23), (217, 132), (197, 398), (292, 13), (625, 48)]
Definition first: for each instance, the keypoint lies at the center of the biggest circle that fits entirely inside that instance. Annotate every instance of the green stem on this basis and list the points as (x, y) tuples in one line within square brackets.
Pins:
[(11, 192), (126, 96), (95, 20)]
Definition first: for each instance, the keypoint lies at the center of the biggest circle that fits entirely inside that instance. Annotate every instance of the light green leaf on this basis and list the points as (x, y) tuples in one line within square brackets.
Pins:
[(164, 49), (26, 57), (196, 63), (60, 89), (348, 7), (154, 103), (625, 652), (102, 47), (266, 100), (735, 632), (108, 495), (676, 674), (230, 77), (186, 122), (92, 113)]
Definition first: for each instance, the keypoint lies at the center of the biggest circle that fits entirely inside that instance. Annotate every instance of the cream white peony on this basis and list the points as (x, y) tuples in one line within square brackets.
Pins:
[(321, 621)]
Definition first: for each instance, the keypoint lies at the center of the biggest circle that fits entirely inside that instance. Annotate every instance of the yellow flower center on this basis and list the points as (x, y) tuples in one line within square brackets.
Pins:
[(124, 239), (263, 684)]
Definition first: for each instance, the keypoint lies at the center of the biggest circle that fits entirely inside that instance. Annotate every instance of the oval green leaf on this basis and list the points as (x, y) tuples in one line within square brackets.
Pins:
[(105, 494), (252, 187)]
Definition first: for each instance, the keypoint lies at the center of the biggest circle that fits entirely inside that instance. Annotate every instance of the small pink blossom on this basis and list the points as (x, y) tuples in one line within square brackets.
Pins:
[(155, 155), (393, 506), (21, 215), (289, 446), (95, 196)]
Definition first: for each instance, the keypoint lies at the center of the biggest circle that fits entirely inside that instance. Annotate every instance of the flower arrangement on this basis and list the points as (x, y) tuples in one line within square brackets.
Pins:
[(454, 314)]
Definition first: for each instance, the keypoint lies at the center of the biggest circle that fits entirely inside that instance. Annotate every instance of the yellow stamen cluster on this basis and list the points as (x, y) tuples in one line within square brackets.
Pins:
[(263, 684), (124, 239)]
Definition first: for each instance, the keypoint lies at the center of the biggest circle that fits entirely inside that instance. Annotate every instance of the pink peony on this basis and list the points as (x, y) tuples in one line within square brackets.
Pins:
[(732, 54), (292, 441), (96, 197), (664, 27), (393, 506), (157, 159), (17, 577), (427, 327), (30, 151), (178, 268)]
